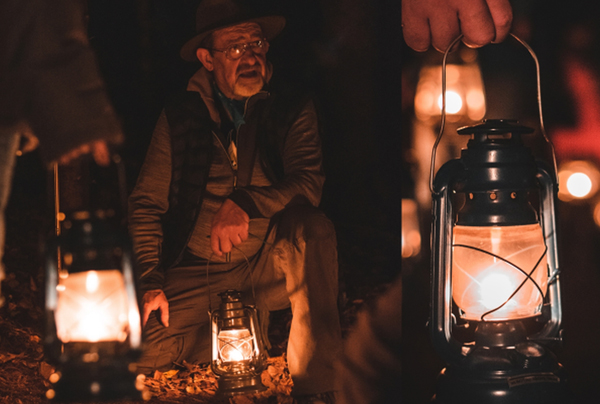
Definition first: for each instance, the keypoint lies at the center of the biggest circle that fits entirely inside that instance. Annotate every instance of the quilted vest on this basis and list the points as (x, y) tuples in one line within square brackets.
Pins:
[(191, 144)]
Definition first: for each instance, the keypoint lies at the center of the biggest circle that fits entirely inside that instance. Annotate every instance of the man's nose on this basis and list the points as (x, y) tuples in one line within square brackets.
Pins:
[(250, 57)]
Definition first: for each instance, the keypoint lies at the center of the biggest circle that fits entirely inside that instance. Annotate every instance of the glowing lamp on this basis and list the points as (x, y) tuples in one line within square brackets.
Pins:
[(93, 320), (581, 179), (499, 272), (238, 353), (495, 285)]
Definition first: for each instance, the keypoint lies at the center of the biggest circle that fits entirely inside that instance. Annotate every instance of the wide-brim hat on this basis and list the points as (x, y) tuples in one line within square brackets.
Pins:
[(212, 15)]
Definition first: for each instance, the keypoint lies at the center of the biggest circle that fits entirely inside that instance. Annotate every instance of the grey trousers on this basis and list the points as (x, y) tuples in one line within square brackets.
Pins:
[(297, 266)]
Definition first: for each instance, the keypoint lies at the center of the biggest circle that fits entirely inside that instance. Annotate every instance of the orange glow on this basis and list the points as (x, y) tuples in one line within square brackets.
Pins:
[(579, 179), (91, 282), (579, 185), (411, 236), (495, 289), (454, 102), (92, 306), (465, 96), (483, 279), (235, 345)]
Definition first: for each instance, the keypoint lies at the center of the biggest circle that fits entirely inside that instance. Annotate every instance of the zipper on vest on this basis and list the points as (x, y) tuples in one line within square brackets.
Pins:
[(232, 163)]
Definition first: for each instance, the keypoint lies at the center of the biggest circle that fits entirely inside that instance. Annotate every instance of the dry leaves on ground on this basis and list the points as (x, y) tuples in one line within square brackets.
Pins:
[(198, 384)]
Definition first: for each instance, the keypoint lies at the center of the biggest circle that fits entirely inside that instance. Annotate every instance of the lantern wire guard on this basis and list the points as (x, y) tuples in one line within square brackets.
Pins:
[(503, 364)]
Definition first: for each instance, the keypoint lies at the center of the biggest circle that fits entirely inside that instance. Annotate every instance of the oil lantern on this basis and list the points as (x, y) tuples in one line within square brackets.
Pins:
[(238, 352), (495, 301)]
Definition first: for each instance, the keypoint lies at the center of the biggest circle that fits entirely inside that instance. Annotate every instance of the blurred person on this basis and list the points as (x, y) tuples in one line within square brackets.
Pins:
[(50, 89), (227, 199), (370, 368)]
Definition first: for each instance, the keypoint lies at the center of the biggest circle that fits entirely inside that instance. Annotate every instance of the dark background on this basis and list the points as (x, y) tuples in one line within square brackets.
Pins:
[(346, 51)]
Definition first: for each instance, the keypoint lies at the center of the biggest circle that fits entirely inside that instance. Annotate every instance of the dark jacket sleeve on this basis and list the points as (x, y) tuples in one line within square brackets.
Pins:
[(148, 202), (303, 170), (49, 76)]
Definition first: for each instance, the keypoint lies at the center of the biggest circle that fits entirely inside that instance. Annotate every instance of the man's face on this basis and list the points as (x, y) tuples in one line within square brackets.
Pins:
[(240, 78)]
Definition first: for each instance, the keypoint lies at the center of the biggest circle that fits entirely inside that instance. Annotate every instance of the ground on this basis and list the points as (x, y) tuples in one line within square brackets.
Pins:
[(25, 371)]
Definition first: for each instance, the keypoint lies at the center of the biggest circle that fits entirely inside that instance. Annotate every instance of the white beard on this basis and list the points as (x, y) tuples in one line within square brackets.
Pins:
[(247, 88)]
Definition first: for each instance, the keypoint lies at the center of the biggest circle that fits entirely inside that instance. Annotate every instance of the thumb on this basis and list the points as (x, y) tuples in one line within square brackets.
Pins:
[(164, 313), (101, 153), (146, 314)]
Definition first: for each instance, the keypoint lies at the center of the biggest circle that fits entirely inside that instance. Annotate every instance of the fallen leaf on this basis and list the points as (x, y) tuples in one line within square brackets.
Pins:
[(46, 370)]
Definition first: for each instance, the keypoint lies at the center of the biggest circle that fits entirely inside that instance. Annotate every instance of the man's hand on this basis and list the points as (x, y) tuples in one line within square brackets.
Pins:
[(229, 228), (99, 150), (29, 141), (439, 22), (155, 300)]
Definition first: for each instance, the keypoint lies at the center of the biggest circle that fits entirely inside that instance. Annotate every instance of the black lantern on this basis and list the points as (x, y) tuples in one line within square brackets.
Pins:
[(93, 327), (238, 352), (93, 320), (495, 286)]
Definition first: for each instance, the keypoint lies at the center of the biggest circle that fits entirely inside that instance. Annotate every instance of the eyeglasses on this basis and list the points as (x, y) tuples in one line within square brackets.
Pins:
[(237, 50)]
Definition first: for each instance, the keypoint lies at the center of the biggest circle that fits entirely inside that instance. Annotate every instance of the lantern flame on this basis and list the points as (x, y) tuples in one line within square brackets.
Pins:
[(92, 306), (235, 345), (495, 289), (499, 272), (91, 282)]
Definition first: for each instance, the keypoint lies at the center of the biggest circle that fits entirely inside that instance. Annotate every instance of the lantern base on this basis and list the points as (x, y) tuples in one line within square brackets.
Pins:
[(81, 382), (234, 385), (504, 368)]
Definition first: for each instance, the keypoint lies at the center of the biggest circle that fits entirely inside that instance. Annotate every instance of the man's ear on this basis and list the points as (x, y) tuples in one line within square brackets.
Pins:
[(205, 58)]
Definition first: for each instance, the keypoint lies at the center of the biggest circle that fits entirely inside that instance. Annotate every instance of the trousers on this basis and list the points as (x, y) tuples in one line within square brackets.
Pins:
[(297, 266)]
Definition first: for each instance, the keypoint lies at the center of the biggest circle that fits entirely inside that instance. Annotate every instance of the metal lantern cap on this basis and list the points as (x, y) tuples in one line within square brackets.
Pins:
[(495, 126), (499, 173), (232, 310)]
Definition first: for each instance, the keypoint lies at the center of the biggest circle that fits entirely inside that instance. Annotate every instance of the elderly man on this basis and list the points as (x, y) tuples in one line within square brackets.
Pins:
[(226, 199)]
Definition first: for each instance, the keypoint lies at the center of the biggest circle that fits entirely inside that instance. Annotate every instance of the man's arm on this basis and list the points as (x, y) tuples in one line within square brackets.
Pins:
[(303, 171), (49, 81), (303, 176), (148, 202)]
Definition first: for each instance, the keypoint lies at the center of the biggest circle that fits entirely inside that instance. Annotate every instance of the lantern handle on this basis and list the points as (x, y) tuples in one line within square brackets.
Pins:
[(249, 268), (443, 112)]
